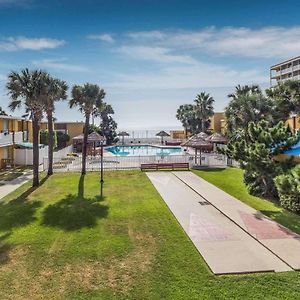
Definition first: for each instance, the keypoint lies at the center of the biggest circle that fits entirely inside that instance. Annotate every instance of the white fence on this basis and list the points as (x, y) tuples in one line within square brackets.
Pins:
[(62, 152), (25, 156), (73, 164)]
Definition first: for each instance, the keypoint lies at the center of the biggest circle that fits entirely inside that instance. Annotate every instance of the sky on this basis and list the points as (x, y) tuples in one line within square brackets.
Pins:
[(150, 56)]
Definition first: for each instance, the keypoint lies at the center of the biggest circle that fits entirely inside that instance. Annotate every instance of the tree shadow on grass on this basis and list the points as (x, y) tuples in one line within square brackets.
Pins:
[(17, 214), (4, 249), (75, 211), (18, 211)]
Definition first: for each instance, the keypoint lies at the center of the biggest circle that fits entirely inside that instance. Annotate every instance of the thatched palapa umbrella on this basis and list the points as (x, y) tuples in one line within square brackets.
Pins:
[(162, 134), (93, 138), (217, 138), (123, 134), (202, 135), (197, 143)]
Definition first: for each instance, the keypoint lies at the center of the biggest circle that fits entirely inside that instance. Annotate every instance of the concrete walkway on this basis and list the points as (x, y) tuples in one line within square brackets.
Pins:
[(226, 248), (12, 185), (276, 238)]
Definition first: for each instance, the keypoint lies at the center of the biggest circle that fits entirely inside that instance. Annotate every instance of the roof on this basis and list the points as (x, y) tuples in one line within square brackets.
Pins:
[(123, 133), (27, 145), (285, 62), (13, 118), (162, 133), (92, 137), (216, 138), (197, 142)]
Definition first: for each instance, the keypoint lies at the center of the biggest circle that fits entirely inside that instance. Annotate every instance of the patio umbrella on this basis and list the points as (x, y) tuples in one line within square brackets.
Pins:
[(217, 138), (162, 134), (202, 135), (123, 134), (197, 143)]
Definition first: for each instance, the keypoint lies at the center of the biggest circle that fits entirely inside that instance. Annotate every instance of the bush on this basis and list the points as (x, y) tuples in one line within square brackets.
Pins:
[(44, 138), (288, 186)]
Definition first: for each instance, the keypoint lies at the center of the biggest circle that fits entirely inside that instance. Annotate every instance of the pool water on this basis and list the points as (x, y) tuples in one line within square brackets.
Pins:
[(144, 150), (294, 151)]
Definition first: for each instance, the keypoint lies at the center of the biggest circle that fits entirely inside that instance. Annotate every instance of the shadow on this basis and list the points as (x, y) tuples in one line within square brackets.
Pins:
[(81, 186), (285, 218), (4, 253), (19, 212), (75, 211), (16, 214), (27, 193), (209, 169)]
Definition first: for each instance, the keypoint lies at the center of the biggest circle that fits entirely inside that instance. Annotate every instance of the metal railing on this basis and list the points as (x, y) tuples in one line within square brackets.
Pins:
[(73, 164)]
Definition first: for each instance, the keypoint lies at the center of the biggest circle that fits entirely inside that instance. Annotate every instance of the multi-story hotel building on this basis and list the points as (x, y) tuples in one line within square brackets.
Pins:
[(286, 70), (13, 130)]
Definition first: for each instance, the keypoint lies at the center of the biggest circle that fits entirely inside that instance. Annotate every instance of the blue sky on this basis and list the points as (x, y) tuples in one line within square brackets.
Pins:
[(149, 56)]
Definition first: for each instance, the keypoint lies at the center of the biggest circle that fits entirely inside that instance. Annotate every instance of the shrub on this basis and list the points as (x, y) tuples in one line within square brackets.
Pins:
[(288, 186)]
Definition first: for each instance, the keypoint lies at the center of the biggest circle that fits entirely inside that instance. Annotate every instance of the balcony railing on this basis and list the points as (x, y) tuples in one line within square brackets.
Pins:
[(8, 138)]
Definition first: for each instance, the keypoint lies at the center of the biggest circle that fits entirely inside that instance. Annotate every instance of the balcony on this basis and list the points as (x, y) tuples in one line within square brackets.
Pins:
[(8, 138)]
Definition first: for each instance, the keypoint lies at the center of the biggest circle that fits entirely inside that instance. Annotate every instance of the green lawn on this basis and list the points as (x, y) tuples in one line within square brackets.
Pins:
[(62, 241)]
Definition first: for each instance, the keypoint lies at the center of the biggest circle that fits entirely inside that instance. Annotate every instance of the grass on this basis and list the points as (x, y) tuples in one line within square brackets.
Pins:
[(230, 180), (63, 241)]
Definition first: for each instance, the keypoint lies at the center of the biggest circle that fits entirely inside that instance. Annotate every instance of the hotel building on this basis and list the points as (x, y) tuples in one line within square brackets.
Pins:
[(13, 130), (286, 70)]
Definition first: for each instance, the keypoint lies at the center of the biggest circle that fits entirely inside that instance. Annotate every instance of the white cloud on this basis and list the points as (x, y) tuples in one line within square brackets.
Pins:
[(265, 42), (59, 65), (157, 54), (2, 77), (23, 43), (200, 75), (102, 37)]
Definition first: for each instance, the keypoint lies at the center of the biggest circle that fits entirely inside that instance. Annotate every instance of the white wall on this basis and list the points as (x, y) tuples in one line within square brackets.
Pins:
[(25, 156)]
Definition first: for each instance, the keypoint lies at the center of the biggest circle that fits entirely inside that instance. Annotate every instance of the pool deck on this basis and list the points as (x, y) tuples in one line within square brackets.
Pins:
[(225, 246)]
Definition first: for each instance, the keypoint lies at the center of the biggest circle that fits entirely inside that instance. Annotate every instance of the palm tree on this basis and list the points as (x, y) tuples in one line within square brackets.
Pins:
[(247, 104), (2, 112), (286, 99), (28, 89), (186, 114), (56, 91), (204, 109), (86, 97)]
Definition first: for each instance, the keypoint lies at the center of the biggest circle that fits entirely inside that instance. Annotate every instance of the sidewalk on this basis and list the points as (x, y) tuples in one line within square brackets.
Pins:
[(226, 247), (10, 186), (275, 237)]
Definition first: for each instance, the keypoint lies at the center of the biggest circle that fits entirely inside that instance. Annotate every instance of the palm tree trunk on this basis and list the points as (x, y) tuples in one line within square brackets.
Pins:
[(50, 142), (35, 138), (84, 146), (203, 125)]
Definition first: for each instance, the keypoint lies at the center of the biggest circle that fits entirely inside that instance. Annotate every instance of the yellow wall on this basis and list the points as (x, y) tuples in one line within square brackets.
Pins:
[(290, 122), (177, 134), (43, 125), (217, 122), (10, 154), (74, 129)]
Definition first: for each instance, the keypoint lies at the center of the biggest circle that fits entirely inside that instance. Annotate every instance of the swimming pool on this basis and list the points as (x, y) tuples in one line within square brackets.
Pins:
[(294, 151), (144, 150)]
